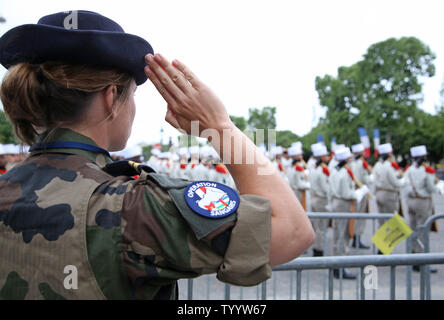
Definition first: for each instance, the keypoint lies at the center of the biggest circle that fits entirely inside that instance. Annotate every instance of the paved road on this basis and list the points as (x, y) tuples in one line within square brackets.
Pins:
[(314, 282)]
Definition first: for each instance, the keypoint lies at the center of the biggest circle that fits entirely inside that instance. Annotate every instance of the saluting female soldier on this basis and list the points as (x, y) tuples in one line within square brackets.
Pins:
[(69, 94)]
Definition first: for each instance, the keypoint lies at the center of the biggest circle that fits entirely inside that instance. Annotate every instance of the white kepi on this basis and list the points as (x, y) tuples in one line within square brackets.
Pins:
[(356, 148), (418, 151), (319, 150), (343, 154), (385, 148)]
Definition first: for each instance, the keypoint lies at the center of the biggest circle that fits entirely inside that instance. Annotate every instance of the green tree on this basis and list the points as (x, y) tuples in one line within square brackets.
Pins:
[(285, 138), (239, 122), (6, 131), (187, 141), (382, 91), (265, 119)]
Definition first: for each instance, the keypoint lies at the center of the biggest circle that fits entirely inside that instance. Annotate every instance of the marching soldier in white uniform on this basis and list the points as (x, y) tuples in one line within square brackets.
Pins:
[(276, 153), (333, 162), (181, 169), (3, 161), (344, 198), (388, 181), (285, 159), (362, 173), (421, 184), (297, 176), (319, 192), (196, 169), (154, 160)]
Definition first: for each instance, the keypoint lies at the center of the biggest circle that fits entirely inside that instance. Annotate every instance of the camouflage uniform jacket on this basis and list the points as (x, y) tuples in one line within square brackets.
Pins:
[(126, 238)]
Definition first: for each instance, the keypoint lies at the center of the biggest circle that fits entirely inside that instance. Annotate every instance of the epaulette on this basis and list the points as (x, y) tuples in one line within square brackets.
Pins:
[(365, 164), (395, 165), (299, 168), (221, 169), (326, 171), (126, 168), (350, 173), (430, 170)]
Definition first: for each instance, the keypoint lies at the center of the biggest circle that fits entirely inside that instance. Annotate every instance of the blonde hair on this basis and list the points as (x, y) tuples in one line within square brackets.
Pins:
[(53, 93)]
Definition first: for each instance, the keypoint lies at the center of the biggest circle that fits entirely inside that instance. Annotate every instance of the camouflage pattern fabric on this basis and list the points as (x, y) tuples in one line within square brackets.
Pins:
[(127, 238)]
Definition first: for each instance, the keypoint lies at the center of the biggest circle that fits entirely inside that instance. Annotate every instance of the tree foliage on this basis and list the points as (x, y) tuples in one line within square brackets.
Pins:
[(285, 138), (6, 131), (383, 91), (239, 122), (264, 118)]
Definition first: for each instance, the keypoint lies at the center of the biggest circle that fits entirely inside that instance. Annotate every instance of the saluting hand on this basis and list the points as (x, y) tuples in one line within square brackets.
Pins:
[(188, 98)]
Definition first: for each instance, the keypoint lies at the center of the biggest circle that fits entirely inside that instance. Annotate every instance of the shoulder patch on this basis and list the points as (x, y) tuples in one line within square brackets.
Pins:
[(211, 199)]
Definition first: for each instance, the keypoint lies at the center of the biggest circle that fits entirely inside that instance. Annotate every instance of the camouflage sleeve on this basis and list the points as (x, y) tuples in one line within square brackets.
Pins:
[(246, 260), (163, 242)]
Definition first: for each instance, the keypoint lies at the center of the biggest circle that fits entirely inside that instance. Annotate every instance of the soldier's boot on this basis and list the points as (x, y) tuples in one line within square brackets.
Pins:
[(432, 269), (345, 274), (318, 253), (361, 244)]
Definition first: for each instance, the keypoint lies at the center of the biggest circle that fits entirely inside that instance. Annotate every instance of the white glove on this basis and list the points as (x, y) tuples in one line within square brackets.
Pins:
[(360, 193), (371, 178), (440, 187), (402, 181), (329, 208)]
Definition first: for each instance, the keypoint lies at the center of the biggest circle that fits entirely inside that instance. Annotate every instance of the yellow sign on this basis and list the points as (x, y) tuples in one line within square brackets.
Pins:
[(390, 234)]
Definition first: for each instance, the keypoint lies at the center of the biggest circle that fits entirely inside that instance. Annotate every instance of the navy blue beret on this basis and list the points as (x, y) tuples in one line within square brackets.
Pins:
[(78, 37)]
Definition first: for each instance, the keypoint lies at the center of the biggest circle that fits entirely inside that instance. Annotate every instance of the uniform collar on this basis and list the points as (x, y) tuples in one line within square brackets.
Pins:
[(67, 135)]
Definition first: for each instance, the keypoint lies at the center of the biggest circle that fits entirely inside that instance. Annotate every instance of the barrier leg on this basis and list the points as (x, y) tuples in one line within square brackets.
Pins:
[(264, 290), (190, 289), (361, 280), (298, 284), (392, 282), (330, 284)]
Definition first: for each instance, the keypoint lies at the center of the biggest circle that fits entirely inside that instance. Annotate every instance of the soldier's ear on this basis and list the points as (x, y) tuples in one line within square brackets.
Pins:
[(109, 98)]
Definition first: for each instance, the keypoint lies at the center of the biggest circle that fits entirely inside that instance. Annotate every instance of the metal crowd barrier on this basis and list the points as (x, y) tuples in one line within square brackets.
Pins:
[(357, 261), (338, 262), (424, 233), (330, 263), (326, 216)]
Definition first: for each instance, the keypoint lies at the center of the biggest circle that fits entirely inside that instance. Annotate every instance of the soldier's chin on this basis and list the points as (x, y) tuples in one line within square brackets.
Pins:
[(118, 145)]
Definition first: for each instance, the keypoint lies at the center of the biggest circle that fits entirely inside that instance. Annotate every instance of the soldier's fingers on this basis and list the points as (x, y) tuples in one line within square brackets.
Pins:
[(188, 74), (176, 76), (165, 79), (171, 118), (160, 87)]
